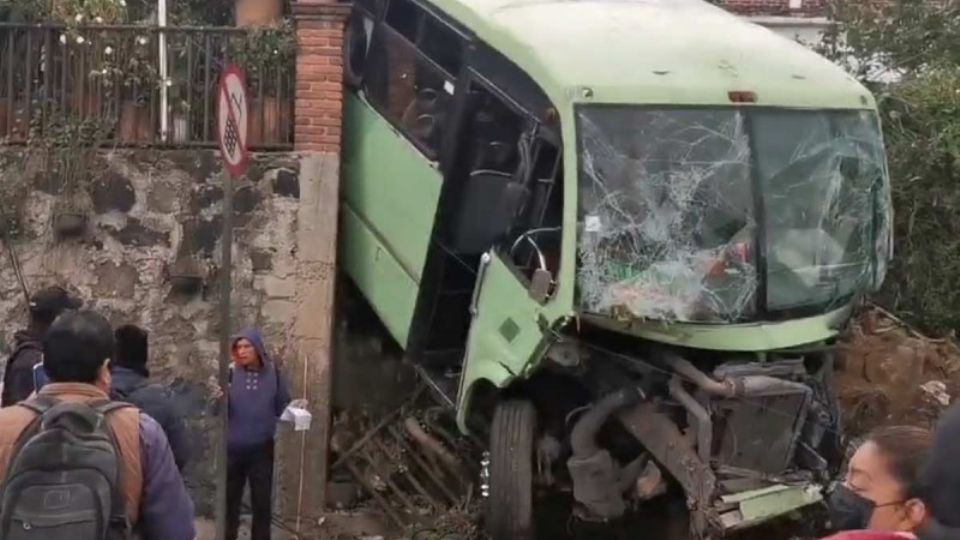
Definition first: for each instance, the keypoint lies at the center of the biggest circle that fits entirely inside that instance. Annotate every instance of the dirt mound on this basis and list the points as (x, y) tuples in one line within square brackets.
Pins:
[(890, 374)]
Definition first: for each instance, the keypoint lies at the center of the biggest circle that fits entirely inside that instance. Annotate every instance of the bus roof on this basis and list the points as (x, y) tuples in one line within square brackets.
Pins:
[(654, 51)]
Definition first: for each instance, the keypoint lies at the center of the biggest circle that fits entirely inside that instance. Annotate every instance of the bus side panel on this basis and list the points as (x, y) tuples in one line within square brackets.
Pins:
[(392, 191), (391, 292)]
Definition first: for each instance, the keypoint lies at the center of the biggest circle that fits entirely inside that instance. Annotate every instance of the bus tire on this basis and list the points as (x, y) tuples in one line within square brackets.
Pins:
[(510, 503)]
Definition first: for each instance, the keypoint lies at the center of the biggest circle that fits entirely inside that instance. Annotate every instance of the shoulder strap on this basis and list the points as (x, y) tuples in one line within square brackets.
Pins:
[(119, 517), (39, 404), (106, 407)]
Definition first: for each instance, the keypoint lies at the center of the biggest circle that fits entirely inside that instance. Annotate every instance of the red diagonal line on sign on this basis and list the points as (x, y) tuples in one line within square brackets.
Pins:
[(231, 116)]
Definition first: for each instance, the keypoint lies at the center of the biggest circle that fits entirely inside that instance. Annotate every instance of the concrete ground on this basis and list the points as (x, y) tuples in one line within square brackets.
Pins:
[(207, 530), (335, 526)]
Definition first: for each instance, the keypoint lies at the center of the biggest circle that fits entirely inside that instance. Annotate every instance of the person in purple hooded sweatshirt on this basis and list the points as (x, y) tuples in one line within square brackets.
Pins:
[(257, 396)]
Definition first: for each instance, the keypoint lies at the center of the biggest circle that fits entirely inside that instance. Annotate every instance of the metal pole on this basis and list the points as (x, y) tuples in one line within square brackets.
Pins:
[(164, 70), (225, 332)]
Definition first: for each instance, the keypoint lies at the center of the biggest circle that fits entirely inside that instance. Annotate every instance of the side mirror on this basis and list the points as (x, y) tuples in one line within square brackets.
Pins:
[(491, 200), (540, 284)]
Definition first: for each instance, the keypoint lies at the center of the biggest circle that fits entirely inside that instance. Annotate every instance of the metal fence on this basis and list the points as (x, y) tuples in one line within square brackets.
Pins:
[(146, 86)]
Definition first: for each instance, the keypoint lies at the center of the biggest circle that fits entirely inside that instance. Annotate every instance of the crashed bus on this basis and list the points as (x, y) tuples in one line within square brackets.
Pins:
[(621, 238)]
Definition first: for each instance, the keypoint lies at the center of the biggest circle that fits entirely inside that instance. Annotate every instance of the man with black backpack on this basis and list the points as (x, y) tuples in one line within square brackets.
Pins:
[(131, 384), (18, 376), (75, 465)]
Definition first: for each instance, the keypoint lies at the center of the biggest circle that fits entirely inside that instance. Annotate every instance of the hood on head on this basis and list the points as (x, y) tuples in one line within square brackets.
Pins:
[(254, 337)]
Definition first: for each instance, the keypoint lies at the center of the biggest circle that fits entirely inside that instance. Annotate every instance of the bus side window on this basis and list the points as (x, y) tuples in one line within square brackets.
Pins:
[(411, 73), (495, 134)]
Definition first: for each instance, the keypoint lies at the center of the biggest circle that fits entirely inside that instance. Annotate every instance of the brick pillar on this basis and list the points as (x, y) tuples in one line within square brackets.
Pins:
[(303, 456), (319, 90)]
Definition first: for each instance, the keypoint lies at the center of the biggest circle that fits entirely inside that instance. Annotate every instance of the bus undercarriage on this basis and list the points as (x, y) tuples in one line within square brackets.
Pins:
[(746, 439)]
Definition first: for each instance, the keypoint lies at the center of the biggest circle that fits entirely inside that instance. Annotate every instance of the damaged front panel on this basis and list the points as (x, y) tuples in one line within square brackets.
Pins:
[(699, 215)]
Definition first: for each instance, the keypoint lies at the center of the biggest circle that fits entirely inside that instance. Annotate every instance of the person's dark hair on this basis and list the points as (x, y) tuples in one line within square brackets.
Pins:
[(132, 348), (47, 304), (906, 449), (76, 345)]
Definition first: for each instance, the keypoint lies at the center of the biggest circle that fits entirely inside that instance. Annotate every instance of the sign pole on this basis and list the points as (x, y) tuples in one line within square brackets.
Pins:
[(232, 133), (226, 272)]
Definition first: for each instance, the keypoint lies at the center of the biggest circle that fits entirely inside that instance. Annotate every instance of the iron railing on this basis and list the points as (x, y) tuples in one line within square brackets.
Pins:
[(113, 75)]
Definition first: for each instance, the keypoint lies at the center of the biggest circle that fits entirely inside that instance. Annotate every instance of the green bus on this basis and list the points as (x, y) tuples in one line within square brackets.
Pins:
[(621, 237)]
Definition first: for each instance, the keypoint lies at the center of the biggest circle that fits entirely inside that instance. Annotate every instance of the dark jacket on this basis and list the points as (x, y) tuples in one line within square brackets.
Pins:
[(940, 481), (936, 531), (157, 401), (18, 375), (256, 398)]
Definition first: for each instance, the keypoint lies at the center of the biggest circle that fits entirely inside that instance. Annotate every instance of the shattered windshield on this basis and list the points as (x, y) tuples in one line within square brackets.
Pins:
[(670, 202)]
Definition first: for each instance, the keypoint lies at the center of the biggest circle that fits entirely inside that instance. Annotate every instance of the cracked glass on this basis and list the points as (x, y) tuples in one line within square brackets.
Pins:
[(670, 202), (822, 176)]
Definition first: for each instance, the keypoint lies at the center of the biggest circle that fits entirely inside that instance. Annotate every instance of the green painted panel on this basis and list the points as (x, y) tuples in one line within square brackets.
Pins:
[(390, 290), (389, 184), (767, 503), (681, 51), (760, 336), (505, 338)]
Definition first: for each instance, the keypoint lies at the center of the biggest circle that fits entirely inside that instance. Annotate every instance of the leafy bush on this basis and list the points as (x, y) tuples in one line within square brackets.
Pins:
[(916, 40)]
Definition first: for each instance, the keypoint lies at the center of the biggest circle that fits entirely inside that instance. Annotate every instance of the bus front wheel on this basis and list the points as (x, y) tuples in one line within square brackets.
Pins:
[(510, 501)]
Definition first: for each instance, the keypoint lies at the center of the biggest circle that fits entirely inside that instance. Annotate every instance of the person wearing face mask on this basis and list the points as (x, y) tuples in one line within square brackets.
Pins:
[(881, 496)]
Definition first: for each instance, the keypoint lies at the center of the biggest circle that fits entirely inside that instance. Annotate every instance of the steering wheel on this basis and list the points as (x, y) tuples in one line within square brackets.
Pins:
[(528, 237)]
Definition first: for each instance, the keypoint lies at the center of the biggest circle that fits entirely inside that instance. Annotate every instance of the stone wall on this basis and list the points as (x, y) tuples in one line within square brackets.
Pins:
[(148, 208)]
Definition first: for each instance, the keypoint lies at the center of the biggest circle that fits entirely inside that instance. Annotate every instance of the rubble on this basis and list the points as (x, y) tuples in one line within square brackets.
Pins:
[(888, 373), (410, 466)]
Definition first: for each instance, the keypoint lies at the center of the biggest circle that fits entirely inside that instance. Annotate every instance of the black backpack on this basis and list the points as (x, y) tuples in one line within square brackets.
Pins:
[(63, 480)]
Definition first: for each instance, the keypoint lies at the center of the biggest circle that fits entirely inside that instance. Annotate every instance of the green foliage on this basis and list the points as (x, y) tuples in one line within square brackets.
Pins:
[(903, 34), (265, 53), (70, 12), (917, 39), (16, 188), (68, 148)]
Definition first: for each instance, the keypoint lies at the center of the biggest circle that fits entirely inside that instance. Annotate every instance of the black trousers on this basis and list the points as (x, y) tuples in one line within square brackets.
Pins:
[(256, 466)]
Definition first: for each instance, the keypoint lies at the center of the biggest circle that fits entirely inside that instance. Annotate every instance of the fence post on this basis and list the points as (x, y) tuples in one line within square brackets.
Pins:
[(318, 107), (317, 134)]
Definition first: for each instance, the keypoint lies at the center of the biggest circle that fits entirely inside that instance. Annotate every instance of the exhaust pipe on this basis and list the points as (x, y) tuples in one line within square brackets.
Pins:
[(732, 387)]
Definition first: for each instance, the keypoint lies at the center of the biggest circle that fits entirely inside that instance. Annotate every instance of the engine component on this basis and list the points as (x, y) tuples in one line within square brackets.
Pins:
[(650, 483), (597, 477), (758, 419), (596, 486)]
